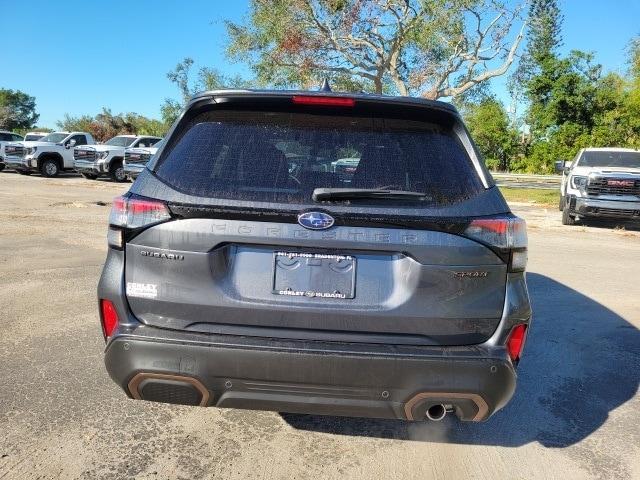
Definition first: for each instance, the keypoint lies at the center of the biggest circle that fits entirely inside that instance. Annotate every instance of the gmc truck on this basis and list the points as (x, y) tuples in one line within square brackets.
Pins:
[(135, 159), (107, 159), (7, 137), (600, 183), (50, 155)]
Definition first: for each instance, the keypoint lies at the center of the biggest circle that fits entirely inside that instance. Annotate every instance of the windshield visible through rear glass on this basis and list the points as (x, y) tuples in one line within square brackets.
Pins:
[(283, 156), (610, 159), (32, 138), (54, 137), (120, 141)]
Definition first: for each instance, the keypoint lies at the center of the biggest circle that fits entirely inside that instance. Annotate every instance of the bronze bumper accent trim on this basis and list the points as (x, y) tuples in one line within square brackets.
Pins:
[(483, 408), (135, 382)]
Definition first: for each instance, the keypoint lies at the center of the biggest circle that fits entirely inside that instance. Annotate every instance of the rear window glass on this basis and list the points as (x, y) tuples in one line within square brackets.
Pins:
[(283, 156)]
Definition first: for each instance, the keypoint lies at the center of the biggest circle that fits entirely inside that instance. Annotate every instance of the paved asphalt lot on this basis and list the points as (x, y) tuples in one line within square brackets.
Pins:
[(575, 413)]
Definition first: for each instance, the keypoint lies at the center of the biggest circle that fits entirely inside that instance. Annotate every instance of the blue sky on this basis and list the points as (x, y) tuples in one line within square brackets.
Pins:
[(77, 56)]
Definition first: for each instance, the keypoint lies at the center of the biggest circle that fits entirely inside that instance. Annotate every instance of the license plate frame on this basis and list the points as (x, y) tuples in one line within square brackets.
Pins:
[(314, 275)]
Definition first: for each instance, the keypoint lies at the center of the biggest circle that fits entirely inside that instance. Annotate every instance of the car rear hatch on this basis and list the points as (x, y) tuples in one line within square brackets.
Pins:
[(287, 217)]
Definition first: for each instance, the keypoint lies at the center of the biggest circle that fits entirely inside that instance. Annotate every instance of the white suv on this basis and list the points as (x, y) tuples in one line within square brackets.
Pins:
[(107, 159), (600, 182)]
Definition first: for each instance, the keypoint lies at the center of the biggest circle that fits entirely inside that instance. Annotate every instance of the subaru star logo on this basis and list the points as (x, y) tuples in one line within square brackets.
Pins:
[(315, 220)]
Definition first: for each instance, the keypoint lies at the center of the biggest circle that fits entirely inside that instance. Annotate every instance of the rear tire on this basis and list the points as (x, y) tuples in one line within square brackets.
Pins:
[(561, 205), (567, 219), (89, 176), (1, 166), (116, 172), (49, 168)]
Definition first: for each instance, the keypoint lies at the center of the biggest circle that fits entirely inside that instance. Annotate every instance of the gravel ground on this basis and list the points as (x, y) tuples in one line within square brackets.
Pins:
[(574, 414)]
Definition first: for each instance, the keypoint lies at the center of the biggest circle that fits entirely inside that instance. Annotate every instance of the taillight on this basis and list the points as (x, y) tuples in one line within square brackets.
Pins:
[(108, 317), (515, 341), (323, 101), (505, 234), (132, 213)]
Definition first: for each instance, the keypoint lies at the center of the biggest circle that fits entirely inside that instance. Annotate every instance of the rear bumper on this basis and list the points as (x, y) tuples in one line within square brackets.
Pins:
[(309, 377), (591, 207)]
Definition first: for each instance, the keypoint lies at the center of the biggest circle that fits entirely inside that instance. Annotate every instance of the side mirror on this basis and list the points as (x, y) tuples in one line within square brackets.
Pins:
[(562, 166), (70, 144)]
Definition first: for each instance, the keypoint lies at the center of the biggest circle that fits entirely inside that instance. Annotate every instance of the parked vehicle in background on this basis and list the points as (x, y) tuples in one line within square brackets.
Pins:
[(600, 183), (50, 155), (106, 159), (136, 159), (392, 289), (7, 137), (34, 136)]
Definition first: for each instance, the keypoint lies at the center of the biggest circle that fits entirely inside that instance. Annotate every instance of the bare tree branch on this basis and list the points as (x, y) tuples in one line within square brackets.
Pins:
[(487, 74), (422, 47)]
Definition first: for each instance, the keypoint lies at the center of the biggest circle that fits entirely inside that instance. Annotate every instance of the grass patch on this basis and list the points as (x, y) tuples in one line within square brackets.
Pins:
[(533, 195)]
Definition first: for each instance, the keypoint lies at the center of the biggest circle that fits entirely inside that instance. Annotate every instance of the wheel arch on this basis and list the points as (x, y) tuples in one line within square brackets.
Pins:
[(115, 160), (53, 156)]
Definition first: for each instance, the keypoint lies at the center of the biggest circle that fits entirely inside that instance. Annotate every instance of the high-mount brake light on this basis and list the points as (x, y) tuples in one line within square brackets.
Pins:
[(508, 234), (323, 101)]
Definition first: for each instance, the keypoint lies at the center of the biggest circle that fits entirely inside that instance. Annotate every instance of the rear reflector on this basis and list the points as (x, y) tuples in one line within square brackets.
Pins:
[(324, 101), (108, 317), (515, 342)]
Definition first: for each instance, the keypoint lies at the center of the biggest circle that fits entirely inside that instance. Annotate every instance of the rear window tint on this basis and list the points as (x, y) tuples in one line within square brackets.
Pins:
[(283, 156)]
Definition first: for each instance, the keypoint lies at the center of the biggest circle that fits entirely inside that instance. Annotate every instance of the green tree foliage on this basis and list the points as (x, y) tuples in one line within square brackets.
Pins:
[(82, 123), (431, 48), (571, 104), (106, 125), (17, 110), (565, 93), (489, 125), (545, 33), (188, 85), (537, 71)]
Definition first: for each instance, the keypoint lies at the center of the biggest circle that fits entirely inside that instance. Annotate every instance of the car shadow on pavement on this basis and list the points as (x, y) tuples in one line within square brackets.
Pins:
[(581, 361), (612, 225)]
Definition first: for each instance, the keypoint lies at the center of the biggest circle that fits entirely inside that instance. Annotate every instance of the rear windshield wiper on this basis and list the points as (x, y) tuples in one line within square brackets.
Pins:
[(320, 194)]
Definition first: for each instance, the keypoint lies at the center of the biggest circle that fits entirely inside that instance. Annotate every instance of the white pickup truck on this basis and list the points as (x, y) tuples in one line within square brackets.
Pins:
[(107, 159), (7, 137), (136, 159), (600, 183), (50, 155)]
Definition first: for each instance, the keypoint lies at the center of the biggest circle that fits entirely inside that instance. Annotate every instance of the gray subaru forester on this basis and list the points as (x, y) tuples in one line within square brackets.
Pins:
[(316, 252)]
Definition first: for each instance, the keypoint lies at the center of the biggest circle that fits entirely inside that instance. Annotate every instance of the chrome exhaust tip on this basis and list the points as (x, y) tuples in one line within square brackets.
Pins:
[(436, 412)]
